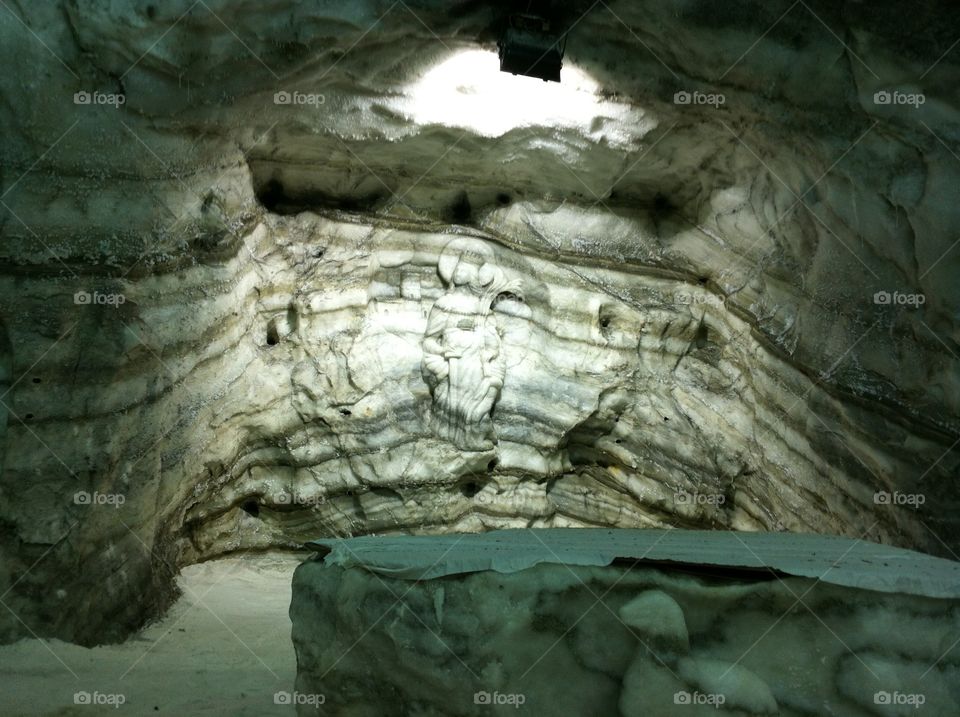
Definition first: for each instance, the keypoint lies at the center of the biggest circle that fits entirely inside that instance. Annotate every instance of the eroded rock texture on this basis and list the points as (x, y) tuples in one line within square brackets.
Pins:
[(235, 322), (616, 641)]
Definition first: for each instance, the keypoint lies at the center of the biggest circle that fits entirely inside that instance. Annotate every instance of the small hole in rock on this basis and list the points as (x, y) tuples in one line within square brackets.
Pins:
[(251, 507), (28, 417), (505, 296), (460, 211), (36, 380), (702, 337), (207, 202), (293, 319), (345, 412), (605, 322), (151, 13), (503, 198), (665, 418), (469, 489), (662, 205), (273, 336), (492, 464)]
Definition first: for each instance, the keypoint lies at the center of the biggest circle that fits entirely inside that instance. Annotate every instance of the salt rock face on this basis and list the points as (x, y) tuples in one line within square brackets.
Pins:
[(659, 622), (441, 382), (349, 378), (695, 320), (742, 688), (698, 686), (6, 378), (551, 639), (657, 617)]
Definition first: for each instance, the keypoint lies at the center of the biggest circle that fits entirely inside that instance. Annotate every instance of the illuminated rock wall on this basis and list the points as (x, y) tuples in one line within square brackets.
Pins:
[(695, 314)]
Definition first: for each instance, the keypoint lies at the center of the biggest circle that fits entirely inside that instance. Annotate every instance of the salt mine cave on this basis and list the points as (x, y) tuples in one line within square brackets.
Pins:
[(536, 357)]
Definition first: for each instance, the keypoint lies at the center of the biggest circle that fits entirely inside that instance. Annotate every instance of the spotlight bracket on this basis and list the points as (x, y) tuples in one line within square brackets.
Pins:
[(531, 46)]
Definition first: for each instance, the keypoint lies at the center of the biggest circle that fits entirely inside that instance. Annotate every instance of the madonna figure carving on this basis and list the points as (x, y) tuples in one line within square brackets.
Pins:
[(463, 361)]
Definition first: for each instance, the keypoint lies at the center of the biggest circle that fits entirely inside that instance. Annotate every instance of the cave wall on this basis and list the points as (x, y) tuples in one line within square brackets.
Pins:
[(288, 392), (6, 379), (199, 282)]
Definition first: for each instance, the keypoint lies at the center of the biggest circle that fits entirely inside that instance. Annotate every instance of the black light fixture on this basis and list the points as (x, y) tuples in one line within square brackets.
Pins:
[(531, 45)]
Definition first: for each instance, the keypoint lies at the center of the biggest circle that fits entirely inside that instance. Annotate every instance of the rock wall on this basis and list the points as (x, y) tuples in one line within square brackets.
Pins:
[(617, 640), (6, 381), (339, 378), (233, 323)]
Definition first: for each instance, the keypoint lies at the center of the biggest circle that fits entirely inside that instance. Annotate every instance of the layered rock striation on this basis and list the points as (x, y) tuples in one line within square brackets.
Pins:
[(232, 319)]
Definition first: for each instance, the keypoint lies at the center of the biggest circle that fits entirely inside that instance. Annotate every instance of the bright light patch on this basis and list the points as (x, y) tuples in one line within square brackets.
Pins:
[(468, 90)]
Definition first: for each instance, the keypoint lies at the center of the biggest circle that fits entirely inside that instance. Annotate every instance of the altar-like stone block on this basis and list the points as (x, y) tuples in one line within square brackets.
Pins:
[(549, 623)]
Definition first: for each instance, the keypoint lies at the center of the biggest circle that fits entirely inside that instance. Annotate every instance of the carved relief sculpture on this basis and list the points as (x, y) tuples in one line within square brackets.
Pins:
[(463, 361)]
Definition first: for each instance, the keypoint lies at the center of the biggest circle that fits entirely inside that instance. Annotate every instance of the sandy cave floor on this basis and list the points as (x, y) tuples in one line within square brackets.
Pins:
[(223, 648)]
